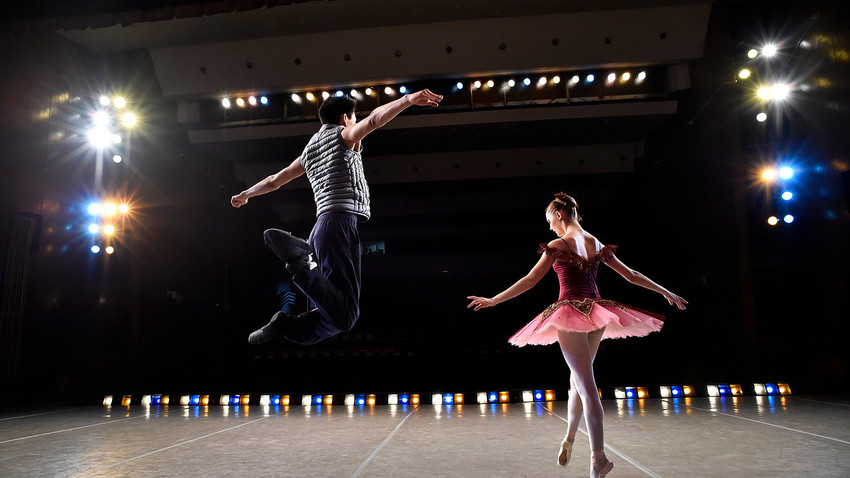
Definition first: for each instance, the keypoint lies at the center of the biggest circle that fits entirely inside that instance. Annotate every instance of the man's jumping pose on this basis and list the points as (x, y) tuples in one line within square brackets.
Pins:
[(334, 168)]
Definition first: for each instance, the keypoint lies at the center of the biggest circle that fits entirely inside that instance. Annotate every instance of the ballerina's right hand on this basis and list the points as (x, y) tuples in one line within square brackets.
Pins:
[(674, 299), (480, 302)]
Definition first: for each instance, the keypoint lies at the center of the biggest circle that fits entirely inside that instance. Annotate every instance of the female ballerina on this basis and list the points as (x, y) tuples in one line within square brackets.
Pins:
[(580, 319)]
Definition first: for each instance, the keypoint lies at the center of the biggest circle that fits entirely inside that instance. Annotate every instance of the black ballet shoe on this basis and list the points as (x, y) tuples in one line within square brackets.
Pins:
[(294, 251), (565, 452), (601, 468), (275, 330)]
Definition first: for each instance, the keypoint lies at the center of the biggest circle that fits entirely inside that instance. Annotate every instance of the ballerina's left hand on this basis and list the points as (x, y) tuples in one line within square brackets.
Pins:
[(480, 302), (674, 299)]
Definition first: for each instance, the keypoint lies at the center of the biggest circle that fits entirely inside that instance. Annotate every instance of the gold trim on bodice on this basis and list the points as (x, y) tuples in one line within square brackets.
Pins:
[(583, 306)]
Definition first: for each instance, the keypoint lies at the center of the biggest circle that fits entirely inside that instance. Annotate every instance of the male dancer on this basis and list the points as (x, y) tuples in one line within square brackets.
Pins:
[(334, 167)]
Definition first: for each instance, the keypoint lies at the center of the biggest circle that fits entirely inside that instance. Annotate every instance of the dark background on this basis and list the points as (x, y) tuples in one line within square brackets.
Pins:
[(171, 311)]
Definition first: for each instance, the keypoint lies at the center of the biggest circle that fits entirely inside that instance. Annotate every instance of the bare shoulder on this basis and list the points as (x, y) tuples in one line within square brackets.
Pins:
[(557, 244)]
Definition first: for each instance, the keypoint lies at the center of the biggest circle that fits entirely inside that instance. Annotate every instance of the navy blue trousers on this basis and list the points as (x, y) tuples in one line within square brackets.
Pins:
[(333, 286)]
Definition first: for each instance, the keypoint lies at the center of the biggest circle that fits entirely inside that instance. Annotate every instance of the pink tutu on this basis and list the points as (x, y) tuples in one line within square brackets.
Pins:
[(587, 315)]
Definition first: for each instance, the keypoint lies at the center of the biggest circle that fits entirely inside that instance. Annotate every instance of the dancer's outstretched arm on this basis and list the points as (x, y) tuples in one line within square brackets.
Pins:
[(637, 278), (384, 113), (530, 280), (269, 184)]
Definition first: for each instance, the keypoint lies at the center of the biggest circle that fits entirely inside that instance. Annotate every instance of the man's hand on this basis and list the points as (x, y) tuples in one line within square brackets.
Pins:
[(425, 98), (239, 200)]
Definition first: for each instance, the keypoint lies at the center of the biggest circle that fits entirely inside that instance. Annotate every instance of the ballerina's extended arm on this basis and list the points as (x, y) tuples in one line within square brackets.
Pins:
[(637, 278), (530, 280)]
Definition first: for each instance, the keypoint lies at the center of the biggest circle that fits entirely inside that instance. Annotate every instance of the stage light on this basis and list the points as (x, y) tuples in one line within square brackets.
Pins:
[(402, 89), (240, 102), (368, 91), (94, 228), (119, 102), (476, 84), (538, 395), (310, 96), (125, 401), (246, 399), (724, 390), (459, 85), (780, 91), (116, 158), (156, 400), (370, 400), (786, 172), (264, 100), (165, 400), (110, 209), (773, 220), (414, 399), (306, 400), (275, 400), (110, 250), (109, 229), (625, 77), (589, 79), (339, 93), (116, 138), (788, 219), (234, 400), (107, 401), (669, 391), (317, 399), (527, 396), (325, 95), (389, 91), (752, 53), (541, 81), (761, 117), (184, 400), (99, 136), (744, 73), (641, 76), (771, 389), (504, 397), (712, 390), (735, 389), (392, 399), (612, 77), (768, 174), (787, 195), (631, 392), (194, 400), (100, 118), (458, 399), (129, 120), (556, 79), (404, 398), (491, 83), (492, 397), (355, 94), (205, 400), (620, 393), (784, 389), (348, 400), (146, 400), (481, 397), (575, 79), (252, 100), (104, 100), (550, 395), (360, 400), (225, 103), (769, 50), (448, 398), (642, 392), (436, 399), (296, 98), (265, 400), (511, 83), (95, 249), (526, 81), (329, 399)]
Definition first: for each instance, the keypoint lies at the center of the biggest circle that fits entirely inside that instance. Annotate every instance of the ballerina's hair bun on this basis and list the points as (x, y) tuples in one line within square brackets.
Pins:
[(566, 202)]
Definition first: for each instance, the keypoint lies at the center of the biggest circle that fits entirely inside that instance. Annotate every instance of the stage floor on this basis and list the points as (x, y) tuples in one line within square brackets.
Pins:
[(699, 437)]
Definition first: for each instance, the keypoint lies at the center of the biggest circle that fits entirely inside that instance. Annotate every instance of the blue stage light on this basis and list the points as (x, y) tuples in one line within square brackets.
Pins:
[(94, 228), (771, 388), (786, 172), (339, 93), (156, 399), (788, 219), (526, 81), (459, 85), (448, 398), (264, 100), (95, 249), (493, 397), (724, 390), (95, 208), (538, 395), (402, 89), (631, 392), (589, 79), (234, 400), (195, 400), (787, 195), (317, 399), (676, 391), (360, 400), (404, 398), (275, 400)]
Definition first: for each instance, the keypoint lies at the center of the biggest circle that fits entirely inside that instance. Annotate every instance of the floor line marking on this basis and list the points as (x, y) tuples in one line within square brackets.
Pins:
[(382, 445), (174, 446), (770, 424), (611, 448), (71, 429), (39, 414), (821, 401)]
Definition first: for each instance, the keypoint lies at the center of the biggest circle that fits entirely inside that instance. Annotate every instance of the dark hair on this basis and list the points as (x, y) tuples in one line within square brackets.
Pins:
[(566, 203), (336, 106)]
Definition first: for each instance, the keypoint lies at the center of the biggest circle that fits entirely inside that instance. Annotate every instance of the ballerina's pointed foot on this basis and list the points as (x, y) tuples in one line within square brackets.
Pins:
[(565, 452), (601, 468)]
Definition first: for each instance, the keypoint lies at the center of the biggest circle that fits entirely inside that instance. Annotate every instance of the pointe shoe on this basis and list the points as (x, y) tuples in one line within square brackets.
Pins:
[(601, 468), (565, 452)]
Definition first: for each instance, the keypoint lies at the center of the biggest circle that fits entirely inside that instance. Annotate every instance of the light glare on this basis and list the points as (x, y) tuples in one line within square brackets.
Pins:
[(744, 73), (225, 102), (769, 50), (761, 117), (264, 100), (129, 120), (252, 100), (786, 172), (752, 53), (116, 158), (104, 100), (240, 102), (310, 97), (109, 249), (788, 219), (787, 195), (768, 174), (612, 77)]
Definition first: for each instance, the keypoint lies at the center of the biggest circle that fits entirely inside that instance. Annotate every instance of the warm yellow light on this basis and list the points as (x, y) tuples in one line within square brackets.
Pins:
[(110, 249), (119, 102), (784, 389), (370, 400), (763, 92), (310, 96), (129, 119), (329, 399), (458, 398), (736, 389), (368, 91), (752, 53), (768, 174), (476, 84), (773, 220), (550, 395), (165, 400), (109, 229), (123, 209), (240, 102), (504, 397), (125, 401), (491, 83), (744, 73), (642, 392), (626, 76), (687, 390), (556, 79), (205, 400), (110, 209), (414, 399)]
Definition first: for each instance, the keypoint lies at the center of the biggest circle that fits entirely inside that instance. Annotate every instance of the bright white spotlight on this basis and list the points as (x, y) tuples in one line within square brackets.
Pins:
[(773, 220), (95, 249), (116, 158), (104, 100), (752, 53), (252, 100), (556, 79), (354, 93), (575, 79), (116, 138), (95, 208), (788, 219), (389, 91), (511, 83), (119, 102), (590, 78), (786, 172), (477, 84), (744, 73), (625, 76), (763, 92), (264, 100), (109, 249), (99, 137), (769, 50), (129, 120), (402, 89), (225, 103), (780, 91), (787, 195), (641, 76), (94, 228), (612, 77), (339, 93), (768, 174), (240, 102), (491, 83), (110, 209), (542, 81), (369, 91), (123, 209), (310, 96), (100, 118), (459, 85), (761, 117), (526, 81), (325, 95), (296, 98)]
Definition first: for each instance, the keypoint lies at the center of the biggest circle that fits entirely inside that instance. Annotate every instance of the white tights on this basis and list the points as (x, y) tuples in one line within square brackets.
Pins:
[(579, 349)]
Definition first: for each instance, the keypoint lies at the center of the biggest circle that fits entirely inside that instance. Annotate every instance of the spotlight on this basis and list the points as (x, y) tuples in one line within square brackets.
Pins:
[(100, 118), (504, 397), (404, 398), (99, 137), (355, 93), (787, 195), (550, 395), (589, 79), (574, 80), (339, 93), (780, 91), (252, 100), (712, 390), (541, 81), (225, 102), (459, 85), (109, 249), (736, 389), (788, 219), (786, 172), (448, 399), (119, 102), (773, 220), (625, 77), (317, 399), (123, 209), (109, 229), (116, 138), (348, 400), (370, 400), (125, 401), (95, 208), (264, 100), (107, 401), (642, 392), (665, 391), (477, 84), (641, 76), (95, 249), (511, 83), (436, 399), (481, 397), (109, 209), (389, 91), (527, 396), (360, 400), (768, 174), (368, 91), (414, 399), (325, 95), (392, 399), (752, 53), (761, 117), (94, 228), (402, 89), (538, 395), (491, 83), (744, 73), (116, 158), (240, 102), (265, 400), (310, 96), (631, 392), (458, 399), (296, 98), (769, 50), (329, 400), (784, 389), (619, 393), (104, 100), (129, 120), (556, 79), (612, 77), (526, 81)]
